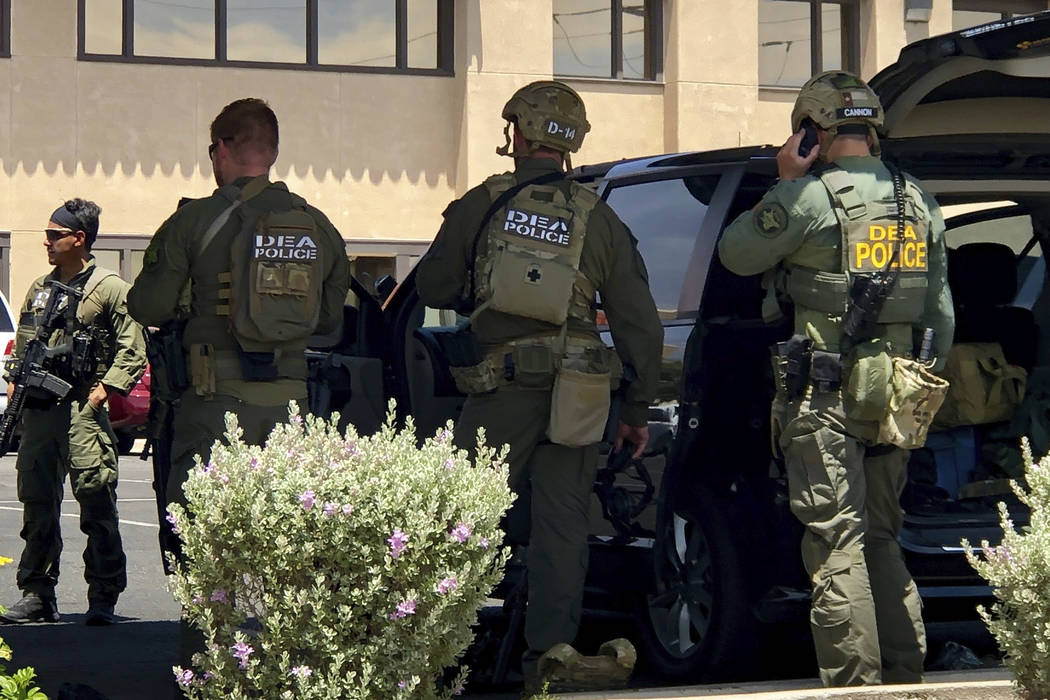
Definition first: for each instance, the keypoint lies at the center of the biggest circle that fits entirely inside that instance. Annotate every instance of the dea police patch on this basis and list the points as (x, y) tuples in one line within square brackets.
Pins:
[(770, 219)]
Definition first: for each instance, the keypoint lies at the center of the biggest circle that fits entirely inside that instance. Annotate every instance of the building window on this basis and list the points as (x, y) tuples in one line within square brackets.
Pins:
[(799, 38), (5, 28), (608, 39), (121, 253), (970, 13), (389, 36)]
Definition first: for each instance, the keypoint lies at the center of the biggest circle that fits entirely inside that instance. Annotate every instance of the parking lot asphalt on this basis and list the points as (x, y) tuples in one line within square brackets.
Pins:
[(132, 660)]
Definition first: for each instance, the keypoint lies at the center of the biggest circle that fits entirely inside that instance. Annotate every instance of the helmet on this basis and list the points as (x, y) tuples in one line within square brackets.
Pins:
[(834, 98), (549, 113)]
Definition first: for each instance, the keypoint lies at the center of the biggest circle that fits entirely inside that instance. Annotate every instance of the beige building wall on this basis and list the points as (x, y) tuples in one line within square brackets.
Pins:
[(381, 154)]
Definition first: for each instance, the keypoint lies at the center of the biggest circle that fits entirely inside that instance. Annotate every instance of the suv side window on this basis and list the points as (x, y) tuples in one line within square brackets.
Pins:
[(665, 216)]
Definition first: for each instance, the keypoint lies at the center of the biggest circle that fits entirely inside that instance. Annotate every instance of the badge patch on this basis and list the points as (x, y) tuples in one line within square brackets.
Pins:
[(771, 219), (151, 257), (296, 247), (873, 247), (549, 229)]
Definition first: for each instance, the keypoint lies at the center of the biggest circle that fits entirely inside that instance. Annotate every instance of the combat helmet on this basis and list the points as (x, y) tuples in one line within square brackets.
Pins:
[(548, 113), (834, 99)]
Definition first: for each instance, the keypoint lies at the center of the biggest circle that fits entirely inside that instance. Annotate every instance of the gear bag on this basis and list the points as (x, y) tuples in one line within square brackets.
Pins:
[(984, 387)]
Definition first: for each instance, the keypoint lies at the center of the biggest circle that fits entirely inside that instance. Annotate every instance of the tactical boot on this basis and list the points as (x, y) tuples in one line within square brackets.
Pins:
[(565, 670), (100, 613), (32, 608)]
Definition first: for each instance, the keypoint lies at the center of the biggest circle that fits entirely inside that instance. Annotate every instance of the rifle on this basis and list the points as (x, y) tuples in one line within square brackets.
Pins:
[(169, 380), (33, 370)]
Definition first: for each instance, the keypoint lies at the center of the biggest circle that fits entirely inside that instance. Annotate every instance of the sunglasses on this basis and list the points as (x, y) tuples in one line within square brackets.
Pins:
[(215, 144), (57, 234)]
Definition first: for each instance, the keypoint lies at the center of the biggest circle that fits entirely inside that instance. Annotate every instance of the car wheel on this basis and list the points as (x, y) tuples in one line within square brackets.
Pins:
[(125, 443), (698, 624)]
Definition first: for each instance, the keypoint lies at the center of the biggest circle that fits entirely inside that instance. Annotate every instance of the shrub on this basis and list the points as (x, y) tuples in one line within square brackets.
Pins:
[(1019, 571), (337, 566), (18, 685)]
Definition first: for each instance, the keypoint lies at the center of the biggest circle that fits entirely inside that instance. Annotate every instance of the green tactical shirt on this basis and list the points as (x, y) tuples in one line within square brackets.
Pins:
[(171, 260), (795, 223), (609, 260), (127, 349)]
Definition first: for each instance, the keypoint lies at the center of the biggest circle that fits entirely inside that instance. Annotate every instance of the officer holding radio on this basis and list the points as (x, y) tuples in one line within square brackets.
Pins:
[(526, 255), (858, 250)]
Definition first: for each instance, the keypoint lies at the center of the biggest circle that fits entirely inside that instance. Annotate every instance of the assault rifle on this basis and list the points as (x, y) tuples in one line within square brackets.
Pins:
[(34, 369)]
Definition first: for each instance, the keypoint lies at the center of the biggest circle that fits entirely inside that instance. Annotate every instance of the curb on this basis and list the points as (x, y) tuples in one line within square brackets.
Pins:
[(980, 684)]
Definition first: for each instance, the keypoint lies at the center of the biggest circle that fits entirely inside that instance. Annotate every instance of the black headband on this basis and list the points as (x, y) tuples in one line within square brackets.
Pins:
[(66, 218)]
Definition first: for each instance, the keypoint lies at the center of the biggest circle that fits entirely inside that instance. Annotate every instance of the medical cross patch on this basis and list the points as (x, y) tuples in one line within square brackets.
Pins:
[(533, 274), (770, 219)]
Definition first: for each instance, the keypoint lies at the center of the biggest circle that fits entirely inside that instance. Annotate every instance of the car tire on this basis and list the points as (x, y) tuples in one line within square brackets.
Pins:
[(698, 623), (125, 443)]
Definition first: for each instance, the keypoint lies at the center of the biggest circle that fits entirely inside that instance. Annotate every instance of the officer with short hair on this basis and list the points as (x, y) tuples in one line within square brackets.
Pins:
[(526, 254), (859, 251), (73, 435), (254, 271)]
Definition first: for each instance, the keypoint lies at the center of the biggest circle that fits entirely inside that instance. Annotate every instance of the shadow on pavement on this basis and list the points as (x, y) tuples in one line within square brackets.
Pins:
[(130, 660)]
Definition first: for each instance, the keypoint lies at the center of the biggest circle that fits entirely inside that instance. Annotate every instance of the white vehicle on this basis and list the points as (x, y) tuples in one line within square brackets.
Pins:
[(7, 342)]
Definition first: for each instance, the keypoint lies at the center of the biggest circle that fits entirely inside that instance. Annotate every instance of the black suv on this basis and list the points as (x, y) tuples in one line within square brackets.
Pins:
[(697, 541)]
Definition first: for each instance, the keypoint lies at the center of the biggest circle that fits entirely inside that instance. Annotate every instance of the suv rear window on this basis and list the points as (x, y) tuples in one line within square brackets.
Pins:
[(6, 325), (665, 216)]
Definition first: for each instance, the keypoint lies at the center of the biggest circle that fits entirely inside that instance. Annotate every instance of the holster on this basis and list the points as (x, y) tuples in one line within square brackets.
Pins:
[(825, 371), (467, 364)]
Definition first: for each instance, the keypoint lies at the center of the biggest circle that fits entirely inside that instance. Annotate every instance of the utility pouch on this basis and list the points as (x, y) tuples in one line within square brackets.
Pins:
[(202, 368), (580, 405), (533, 365), (797, 354), (917, 396), (825, 372), (83, 358), (257, 366), (460, 347), (985, 388), (868, 381), (476, 379)]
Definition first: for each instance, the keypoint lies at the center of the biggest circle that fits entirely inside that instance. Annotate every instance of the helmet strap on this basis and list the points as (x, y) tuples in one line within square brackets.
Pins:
[(504, 150)]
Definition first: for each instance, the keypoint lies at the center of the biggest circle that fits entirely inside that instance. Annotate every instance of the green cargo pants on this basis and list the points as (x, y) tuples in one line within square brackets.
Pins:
[(75, 438), (199, 422), (551, 513), (866, 615)]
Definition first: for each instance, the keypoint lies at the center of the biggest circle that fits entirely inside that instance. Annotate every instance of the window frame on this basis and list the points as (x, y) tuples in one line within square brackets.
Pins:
[(124, 244), (653, 43), (850, 29), (5, 28), (445, 43)]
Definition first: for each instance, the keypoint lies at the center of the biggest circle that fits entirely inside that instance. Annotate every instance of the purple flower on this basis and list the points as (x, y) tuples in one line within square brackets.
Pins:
[(483, 542), (296, 420), (224, 479), (448, 584), (444, 435), (347, 509), (307, 499), (401, 684), (219, 596), (301, 671), (449, 463), (458, 689), (241, 652), (351, 448), (290, 453), (208, 675), (208, 467), (254, 464), (398, 542), (461, 532), (170, 517), (404, 609), (330, 508), (184, 676), (197, 599)]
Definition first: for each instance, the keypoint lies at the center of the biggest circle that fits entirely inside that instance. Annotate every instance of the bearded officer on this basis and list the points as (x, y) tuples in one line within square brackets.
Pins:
[(863, 261), (73, 435), (525, 254), (252, 303)]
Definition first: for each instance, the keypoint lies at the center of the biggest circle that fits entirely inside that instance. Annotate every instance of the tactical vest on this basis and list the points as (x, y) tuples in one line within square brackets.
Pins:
[(530, 265), (270, 285), (80, 321), (870, 243)]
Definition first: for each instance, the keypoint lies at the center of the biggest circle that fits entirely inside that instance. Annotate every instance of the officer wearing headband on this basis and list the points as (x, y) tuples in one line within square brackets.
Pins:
[(527, 254), (73, 435), (858, 251)]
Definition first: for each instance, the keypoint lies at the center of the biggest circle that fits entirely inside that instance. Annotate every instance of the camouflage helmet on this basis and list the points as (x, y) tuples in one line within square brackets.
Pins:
[(549, 113), (834, 98)]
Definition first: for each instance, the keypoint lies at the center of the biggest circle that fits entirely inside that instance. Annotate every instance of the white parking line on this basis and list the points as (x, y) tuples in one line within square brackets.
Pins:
[(153, 526)]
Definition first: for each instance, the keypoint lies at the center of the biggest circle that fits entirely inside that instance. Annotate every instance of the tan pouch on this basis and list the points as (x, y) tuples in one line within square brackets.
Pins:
[(475, 379), (579, 407), (202, 368), (534, 365), (867, 381), (917, 395)]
